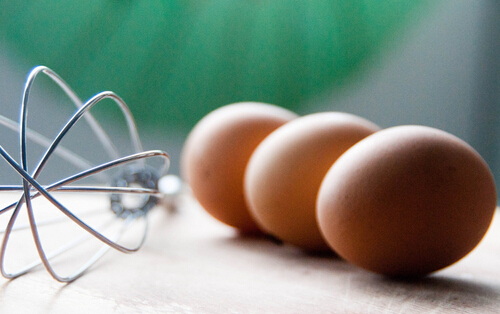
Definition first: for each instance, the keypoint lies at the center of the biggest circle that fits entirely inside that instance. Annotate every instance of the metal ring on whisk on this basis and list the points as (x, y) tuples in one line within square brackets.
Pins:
[(138, 177)]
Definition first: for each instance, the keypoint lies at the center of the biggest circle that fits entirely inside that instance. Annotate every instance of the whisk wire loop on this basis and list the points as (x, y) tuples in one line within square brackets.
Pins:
[(32, 189)]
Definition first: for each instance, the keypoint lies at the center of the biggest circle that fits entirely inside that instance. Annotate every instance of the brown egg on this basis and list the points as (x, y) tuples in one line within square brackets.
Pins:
[(216, 153), (285, 171), (406, 201)]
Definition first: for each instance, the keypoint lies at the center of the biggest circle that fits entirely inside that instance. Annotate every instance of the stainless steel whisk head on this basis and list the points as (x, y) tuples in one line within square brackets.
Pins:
[(124, 220)]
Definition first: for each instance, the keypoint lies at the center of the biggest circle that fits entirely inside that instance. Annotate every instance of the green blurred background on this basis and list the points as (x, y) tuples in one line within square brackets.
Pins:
[(391, 61), (174, 61)]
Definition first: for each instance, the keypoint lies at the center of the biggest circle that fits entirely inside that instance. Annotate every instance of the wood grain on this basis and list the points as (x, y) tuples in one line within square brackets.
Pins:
[(193, 264)]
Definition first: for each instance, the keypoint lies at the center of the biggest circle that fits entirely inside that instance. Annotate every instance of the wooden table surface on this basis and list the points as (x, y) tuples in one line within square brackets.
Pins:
[(191, 263)]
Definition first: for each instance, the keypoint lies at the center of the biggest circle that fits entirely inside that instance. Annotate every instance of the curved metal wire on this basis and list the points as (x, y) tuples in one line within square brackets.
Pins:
[(31, 189)]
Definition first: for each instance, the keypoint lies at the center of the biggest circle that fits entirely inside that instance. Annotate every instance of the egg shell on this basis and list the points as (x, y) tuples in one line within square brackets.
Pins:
[(284, 173), (216, 152), (406, 201)]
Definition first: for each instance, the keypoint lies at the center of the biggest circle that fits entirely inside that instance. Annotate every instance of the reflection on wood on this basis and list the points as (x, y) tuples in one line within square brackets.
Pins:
[(193, 264)]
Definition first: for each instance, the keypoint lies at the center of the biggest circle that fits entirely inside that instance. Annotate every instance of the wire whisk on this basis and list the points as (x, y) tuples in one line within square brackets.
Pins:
[(133, 175)]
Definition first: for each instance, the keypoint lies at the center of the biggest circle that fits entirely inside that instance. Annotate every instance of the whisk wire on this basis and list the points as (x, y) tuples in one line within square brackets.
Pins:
[(31, 189)]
